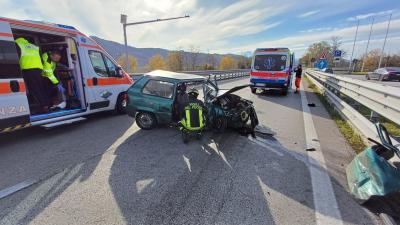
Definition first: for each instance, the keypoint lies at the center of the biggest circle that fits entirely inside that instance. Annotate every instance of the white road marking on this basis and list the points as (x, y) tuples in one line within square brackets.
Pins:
[(187, 161), (10, 190), (326, 208)]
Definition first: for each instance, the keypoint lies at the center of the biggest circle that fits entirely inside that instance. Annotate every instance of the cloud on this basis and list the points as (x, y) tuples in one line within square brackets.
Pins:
[(300, 43), (368, 15), (309, 13), (319, 29), (214, 27), (208, 27)]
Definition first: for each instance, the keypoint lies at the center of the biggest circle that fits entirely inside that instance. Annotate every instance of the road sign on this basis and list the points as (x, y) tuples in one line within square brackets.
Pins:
[(337, 53), (322, 64), (323, 55)]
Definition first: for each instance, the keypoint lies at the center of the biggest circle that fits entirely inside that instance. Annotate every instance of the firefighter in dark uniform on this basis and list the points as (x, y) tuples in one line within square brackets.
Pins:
[(193, 120)]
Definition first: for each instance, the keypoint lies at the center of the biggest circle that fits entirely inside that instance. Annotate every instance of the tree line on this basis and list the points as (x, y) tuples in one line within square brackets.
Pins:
[(185, 61), (324, 48)]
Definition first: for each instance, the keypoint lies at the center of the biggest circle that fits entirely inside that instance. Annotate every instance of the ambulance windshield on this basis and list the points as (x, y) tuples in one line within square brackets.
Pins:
[(275, 62)]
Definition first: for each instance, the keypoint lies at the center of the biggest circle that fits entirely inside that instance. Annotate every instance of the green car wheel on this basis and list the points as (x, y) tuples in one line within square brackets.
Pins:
[(146, 120)]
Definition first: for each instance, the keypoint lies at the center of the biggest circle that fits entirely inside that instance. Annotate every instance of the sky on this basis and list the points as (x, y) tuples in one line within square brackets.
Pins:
[(224, 26)]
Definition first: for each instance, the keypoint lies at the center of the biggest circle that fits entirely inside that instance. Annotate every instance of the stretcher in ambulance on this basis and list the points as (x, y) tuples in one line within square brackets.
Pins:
[(91, 78)]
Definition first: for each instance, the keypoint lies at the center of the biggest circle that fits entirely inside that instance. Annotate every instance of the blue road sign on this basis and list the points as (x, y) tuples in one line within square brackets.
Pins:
[(337, 53), (322, 64)]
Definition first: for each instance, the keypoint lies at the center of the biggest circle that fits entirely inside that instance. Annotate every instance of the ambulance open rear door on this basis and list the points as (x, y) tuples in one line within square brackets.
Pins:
[(14, 107)]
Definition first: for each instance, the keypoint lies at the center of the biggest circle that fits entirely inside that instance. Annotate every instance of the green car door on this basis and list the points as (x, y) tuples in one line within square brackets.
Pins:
[(159, 96)]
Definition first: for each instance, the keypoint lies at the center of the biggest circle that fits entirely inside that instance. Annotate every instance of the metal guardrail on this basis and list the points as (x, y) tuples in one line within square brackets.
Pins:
[(382, 99), (220, 74)]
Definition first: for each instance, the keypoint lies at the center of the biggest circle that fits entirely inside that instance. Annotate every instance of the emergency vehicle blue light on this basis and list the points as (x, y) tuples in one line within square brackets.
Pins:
[(66, 26)]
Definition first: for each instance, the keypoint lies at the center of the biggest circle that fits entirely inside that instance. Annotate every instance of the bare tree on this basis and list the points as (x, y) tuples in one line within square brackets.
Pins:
[(193, 57), (211, 60), (336, 42), (175, 60)]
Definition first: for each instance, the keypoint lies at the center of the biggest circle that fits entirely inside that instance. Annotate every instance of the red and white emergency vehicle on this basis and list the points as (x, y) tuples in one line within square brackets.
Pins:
[(271, 68), (96, 82)]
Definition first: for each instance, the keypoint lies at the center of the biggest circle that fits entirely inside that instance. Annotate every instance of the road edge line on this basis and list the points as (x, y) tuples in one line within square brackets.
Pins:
[(15, 188), (325, 204)]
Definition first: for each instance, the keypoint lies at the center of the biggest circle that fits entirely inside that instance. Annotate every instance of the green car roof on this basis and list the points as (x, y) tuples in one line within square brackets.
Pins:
[(175, 76)]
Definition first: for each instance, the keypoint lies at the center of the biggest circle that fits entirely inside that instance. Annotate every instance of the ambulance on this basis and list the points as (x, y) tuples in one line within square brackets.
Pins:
[(93, 81), (271, 68)]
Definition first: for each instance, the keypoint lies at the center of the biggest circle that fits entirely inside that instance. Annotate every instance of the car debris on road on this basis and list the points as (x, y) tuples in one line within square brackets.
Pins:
[(371, 176)]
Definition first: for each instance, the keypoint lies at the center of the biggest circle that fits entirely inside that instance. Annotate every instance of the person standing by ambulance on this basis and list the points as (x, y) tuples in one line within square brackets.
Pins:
[(299, 72), (31, 68), (53, 85)]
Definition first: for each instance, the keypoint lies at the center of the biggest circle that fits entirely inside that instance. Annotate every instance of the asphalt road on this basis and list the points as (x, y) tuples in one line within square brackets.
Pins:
[(106, 170), (362, 77)]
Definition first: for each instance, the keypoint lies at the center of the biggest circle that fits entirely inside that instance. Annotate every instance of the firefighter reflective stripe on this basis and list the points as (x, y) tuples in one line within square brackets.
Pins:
[(201, 117), (30, 57), (187, 114), (48, 68), (194, 119)]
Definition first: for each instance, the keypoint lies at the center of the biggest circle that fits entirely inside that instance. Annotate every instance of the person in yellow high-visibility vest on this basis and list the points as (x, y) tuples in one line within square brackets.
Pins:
[(193, 116), (54, 86), (31, 68)]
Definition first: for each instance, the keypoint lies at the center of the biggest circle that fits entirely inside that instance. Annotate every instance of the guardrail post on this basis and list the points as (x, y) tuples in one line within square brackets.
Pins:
[(374, 117)]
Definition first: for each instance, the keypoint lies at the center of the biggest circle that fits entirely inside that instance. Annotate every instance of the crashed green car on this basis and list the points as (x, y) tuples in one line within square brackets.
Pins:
[(152, 101)]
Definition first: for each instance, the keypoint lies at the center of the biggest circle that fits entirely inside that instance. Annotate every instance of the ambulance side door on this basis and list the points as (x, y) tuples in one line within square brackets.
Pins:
[(105, 81), (14, 107)]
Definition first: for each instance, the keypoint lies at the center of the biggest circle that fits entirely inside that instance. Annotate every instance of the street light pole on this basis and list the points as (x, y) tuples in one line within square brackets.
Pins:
[(354, 44), (384, 42), (125, 24), (369, 38)]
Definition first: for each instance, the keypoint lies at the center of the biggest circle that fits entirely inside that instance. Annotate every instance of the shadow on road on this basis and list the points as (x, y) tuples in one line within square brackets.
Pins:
[(175, 183), (49, 155), (225, 179)]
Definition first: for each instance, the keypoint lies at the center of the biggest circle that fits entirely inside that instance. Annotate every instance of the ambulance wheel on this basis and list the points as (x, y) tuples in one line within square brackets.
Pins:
[(253, 90), (146, 120), (185, 136), (284, 91), (120, 106)]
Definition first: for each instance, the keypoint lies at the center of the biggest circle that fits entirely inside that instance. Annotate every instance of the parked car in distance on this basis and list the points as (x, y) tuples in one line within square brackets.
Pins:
[(385, 74), (328, 70)]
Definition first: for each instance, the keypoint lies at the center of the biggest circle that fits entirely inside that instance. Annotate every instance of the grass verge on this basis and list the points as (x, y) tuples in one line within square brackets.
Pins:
[(359, 73), (392, 128), (352, 137)]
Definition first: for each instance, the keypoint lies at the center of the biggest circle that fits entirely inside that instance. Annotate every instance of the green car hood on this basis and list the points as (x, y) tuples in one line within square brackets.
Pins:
[(223, 92), (371, 175)]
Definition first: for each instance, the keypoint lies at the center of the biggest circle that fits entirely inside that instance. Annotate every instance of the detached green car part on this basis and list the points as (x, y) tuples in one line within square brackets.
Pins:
[(370, 174), (152, 101)]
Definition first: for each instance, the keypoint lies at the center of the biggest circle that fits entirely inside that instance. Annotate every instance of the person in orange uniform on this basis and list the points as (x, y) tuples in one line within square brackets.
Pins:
[(298, 71)]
